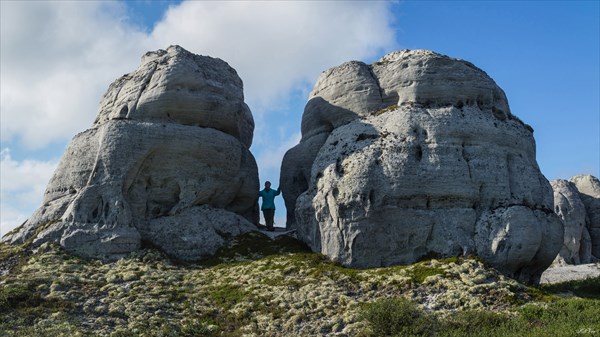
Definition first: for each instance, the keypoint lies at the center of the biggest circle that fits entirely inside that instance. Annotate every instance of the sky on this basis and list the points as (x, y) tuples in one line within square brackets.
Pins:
[(57, 58)]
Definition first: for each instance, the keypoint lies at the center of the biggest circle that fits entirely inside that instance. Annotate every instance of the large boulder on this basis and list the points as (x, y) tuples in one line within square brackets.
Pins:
[(418, 155), (589, 192), (568, 206), (166, 162)]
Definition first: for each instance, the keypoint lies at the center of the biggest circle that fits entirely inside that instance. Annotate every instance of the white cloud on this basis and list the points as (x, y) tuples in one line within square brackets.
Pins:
[(23, 184), (57, 59), (277, 45), (270, 157)]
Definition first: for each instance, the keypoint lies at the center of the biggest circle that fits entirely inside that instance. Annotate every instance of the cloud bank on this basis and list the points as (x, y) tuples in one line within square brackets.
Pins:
[(58, 58), (23, 185), (276, 45)]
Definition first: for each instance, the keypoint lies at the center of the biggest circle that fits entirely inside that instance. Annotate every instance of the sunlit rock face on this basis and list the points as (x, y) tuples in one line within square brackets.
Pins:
[(577, 243), (165, 162), (589, 191), (418, 155)]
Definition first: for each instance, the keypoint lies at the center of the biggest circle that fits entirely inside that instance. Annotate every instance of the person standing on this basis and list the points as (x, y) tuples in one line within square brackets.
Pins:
[(268, 204)]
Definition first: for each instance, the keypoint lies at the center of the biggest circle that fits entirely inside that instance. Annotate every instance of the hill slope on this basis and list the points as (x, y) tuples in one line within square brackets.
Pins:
[(262, 287)]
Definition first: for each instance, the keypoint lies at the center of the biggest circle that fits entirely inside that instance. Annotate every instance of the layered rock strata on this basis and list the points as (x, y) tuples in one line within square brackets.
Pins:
[(568, 206), (418, 155), (577, 203), (166, 161), (589, 192)]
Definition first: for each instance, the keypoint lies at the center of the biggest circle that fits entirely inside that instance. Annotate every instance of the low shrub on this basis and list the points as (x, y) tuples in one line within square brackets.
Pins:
[(398, 317)]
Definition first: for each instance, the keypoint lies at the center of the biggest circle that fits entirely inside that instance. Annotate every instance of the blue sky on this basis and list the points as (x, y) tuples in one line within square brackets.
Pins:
[(58, 58)]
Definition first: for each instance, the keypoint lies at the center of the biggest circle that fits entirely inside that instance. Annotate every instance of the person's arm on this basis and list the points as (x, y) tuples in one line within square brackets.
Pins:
[(278, 191)]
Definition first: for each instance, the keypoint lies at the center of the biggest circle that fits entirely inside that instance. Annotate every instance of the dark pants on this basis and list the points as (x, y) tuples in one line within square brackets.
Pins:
[(269, 214)]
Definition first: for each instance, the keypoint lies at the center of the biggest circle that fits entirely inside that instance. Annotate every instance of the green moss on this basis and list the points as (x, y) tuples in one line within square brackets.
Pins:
[(228, 295), (547, 293), (587, 288), (286, 292), (253, 246), (165, 328), (14, 230), (540, 295), (13, 296), (62, 329), (420, 271), (12, 257), (8, 250), (38, 230), (386, 109)]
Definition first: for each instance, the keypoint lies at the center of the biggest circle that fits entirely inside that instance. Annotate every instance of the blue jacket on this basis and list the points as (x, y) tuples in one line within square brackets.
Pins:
[(268, 198)]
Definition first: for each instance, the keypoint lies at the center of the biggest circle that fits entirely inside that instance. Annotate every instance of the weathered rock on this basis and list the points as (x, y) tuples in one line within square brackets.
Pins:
[(169, 137), (176, 86), (569, 207), (560, 274), (422, 158), (589, 191), (196, 232), (295, 172)]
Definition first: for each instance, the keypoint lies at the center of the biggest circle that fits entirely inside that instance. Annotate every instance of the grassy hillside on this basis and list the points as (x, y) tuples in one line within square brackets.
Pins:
[(260, 287)]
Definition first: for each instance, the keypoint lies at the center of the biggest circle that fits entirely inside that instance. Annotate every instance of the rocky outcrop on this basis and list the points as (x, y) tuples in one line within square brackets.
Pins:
[(166, 162), (577, 203), (568, 206), (418, 155), (589, 192)]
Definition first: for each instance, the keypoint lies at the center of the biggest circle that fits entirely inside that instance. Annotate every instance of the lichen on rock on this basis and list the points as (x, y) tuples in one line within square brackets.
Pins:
[(278, 292), (416, 155)]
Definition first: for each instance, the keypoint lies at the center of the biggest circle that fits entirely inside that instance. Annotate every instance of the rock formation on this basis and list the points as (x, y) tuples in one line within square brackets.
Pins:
[(568, 206), (418, 155), (577, 203), (589, 191), (166, 162)]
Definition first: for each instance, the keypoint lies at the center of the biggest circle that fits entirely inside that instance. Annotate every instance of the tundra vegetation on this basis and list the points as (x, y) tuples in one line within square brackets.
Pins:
[(262, 287)]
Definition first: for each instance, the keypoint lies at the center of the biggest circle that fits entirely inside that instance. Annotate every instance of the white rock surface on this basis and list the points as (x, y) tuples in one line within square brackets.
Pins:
[(559, 274), (176, 86), (295, 172), (196, 232), (446, 170), (589, 191), (569, 207), (166, 161)]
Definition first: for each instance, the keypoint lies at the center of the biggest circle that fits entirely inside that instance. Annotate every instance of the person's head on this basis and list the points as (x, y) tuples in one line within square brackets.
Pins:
[(267, 184)]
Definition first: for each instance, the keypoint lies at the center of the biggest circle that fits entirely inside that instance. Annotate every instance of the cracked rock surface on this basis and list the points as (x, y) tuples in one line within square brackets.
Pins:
[(577, 203), (577, 244), (165, 162), (418, 155), (589, 192)]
